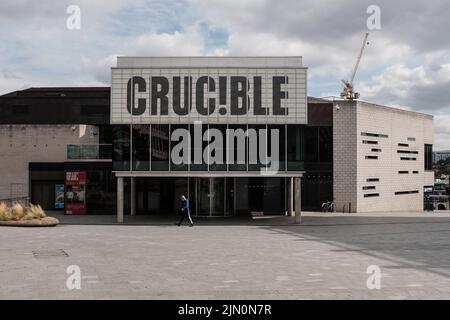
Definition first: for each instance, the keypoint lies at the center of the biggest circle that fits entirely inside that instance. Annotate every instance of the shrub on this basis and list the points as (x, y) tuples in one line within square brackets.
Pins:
[(34, 212), (19, 212), (5, 212)]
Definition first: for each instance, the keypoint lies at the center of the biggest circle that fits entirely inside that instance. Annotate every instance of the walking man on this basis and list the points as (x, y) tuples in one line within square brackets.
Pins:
[(185, 211)]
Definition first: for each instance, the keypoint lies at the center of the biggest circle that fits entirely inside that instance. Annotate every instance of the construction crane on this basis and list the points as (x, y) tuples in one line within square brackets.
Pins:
[(348, 93)]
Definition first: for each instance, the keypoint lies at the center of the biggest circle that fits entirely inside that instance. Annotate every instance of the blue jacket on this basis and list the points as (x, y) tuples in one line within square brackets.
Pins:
[(185, 206)]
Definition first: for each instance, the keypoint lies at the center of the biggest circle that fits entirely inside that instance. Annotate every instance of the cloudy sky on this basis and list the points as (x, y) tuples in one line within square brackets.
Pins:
[(407, 63)]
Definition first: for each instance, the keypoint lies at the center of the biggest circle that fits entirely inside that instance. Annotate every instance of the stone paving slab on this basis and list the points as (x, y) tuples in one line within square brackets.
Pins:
[(229, 261)]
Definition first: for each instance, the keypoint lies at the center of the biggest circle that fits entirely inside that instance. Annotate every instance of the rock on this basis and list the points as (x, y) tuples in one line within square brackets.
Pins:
[(43, 222)]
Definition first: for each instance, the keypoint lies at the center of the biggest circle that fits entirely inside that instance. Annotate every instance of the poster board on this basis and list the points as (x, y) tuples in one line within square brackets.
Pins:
[(75, 192)]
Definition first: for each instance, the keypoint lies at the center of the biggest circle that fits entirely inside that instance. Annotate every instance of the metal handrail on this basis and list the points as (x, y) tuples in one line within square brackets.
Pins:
[(89, 151), (22, 200)]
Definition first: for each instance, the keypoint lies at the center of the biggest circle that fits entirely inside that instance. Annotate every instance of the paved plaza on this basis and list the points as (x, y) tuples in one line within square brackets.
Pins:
[(324, 258)]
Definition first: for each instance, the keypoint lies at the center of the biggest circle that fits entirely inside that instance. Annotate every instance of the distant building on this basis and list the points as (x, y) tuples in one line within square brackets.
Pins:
[(441, 156)]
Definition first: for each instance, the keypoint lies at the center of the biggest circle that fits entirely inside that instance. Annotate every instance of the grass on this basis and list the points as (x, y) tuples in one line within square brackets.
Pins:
[(17, 212)]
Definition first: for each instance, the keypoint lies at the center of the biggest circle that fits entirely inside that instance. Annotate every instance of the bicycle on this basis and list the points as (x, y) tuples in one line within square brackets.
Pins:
[(328, 206)]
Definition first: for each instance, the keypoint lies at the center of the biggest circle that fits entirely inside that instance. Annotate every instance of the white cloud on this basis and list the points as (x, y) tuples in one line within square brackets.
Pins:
[(442, 132), (406, 64), (188, 42), (422, 88)]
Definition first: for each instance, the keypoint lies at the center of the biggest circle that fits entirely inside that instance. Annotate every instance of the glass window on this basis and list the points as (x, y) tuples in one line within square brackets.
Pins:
[(197, 147), (217, 148), (256, 144), (325, 144), (238, 152), (105, 134), (121, 148), (160, 147), (295, 147), (141, 147), (280, 148), (312, 144), (180, 148)]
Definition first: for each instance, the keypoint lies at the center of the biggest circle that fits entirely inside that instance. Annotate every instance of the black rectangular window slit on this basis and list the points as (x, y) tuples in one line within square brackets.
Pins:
[(369, 134), (415, 171), (428, 157), (403, 172), (406, 192), (372, 179), (369, 142), (407, 151), (368, 195), (407, 158), (368, 188), (371, 157), (376, 150), (403, 145)]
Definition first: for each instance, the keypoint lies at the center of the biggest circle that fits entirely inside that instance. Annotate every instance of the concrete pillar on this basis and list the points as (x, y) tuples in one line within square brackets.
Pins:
[(290, 196), (120, 197), (298, 200), (132, 196)]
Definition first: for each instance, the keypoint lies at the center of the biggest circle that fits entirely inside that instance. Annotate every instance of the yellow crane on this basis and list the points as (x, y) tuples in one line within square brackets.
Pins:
[(348, 92)]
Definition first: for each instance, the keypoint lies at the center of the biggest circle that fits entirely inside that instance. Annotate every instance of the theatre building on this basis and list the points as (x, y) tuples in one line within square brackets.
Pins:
[(237, 135)]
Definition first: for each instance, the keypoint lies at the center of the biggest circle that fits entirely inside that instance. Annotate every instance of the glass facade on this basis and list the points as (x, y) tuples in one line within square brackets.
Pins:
[(229, 147), (186, 148), (209, 197)]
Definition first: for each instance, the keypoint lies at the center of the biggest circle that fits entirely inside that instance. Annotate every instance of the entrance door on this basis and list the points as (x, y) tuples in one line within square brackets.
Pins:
[(256, 194), (209, 197), (148, 193)]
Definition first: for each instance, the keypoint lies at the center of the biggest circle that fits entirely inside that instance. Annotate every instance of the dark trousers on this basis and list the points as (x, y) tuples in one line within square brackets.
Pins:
[(185, 214)]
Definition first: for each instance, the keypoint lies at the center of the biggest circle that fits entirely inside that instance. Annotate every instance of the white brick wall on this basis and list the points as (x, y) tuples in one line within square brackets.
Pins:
[(21, 144), (350, 162), (195, 67)]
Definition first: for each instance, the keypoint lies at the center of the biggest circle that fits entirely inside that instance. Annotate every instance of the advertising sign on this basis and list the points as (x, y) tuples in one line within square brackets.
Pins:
[(59, 196), (225, 90), (75, 192)]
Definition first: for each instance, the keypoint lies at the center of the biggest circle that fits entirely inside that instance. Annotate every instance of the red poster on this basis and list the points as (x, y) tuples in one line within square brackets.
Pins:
[(75, 199)]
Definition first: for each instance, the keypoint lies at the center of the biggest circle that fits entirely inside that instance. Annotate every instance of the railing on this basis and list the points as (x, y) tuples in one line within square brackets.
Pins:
[(25, 201), (89, 151)]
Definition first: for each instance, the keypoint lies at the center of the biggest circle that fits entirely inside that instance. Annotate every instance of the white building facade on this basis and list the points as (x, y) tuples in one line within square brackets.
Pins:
[(382, 157)]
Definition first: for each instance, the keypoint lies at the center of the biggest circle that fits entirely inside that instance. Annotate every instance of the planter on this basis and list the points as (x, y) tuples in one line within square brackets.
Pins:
[(43, 222)]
